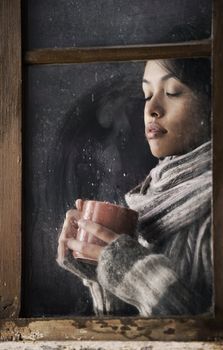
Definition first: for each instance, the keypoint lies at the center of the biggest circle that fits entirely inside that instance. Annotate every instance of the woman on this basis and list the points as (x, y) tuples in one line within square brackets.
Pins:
[(168, 269)]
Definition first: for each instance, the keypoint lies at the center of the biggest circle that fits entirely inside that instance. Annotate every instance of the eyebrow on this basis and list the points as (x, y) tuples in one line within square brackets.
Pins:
[(165, 77)]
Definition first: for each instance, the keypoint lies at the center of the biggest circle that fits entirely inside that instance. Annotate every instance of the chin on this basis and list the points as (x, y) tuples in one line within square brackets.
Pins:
[(158, 152), (159, 155), (161, 150), (157, 148)]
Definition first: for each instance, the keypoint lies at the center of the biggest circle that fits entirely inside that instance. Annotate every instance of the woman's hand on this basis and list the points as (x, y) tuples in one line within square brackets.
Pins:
[(69, 230), (90, 250)]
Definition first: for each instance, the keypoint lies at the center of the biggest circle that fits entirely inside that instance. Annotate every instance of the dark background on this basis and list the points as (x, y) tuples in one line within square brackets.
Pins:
[(84, 138), (83, 128), (61, 23)]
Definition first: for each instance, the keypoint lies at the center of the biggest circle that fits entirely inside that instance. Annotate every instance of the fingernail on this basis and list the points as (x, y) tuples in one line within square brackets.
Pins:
[(70, 243), (73, 244), (82, 222)]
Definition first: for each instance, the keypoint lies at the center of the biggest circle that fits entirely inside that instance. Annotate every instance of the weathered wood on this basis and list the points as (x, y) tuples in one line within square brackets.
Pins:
[(10, 157), (109, 54), (111, 346), (77, 331), (218, 154), (123, 329)]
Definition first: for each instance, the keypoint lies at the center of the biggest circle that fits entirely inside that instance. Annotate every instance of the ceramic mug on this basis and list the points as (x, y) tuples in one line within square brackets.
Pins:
[(115, 217)]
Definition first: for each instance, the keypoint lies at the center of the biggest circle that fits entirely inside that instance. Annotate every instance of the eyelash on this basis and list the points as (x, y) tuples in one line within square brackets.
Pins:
[(147, 98), (173, 95), (176, 94)]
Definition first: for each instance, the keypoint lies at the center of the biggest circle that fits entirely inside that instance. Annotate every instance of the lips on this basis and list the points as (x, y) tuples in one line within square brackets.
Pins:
[(154, 130)]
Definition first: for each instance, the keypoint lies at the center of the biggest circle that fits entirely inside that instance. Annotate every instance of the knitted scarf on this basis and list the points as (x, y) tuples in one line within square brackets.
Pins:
[(176, 193), (174, 198)]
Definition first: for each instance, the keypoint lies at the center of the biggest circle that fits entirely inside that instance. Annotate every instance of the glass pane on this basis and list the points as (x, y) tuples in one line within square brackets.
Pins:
[(81, 141), (99, 23), (85, 138)]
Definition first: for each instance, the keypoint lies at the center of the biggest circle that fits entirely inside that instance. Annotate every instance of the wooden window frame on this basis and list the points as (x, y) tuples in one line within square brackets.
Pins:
[(91, 328)]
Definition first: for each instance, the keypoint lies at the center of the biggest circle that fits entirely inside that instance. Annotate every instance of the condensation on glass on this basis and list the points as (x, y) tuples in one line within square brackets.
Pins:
[(84, 139), (83, 23)]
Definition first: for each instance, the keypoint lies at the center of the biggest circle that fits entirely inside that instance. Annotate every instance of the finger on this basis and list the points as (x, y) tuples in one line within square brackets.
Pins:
[(69, 230), (73, 215), (70, 226), (70, 223), (61, 251), (97, 230), (79, 204), (89, 250)]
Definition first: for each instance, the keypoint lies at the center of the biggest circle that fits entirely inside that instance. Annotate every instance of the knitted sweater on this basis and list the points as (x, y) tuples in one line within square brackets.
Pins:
[(168, 269)]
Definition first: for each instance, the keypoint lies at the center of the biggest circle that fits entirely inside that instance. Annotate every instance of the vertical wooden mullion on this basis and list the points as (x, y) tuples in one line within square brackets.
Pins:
[(218, 155), (10, 157)]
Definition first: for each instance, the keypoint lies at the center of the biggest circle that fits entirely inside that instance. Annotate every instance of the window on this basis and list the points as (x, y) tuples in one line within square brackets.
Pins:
[(11, 189)]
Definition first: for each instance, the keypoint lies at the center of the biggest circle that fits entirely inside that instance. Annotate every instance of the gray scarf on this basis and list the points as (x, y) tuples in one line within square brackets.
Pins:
[(176, 193)]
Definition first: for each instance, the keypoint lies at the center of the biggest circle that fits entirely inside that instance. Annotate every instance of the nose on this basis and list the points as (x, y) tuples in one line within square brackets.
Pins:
[(154, 108)]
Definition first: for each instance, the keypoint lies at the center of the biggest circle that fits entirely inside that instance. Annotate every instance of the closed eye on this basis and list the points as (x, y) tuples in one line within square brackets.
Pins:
[(148, 98), (174, 94)]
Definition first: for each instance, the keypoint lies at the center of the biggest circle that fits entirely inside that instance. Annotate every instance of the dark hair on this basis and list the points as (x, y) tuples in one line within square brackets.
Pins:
[(196, 74), (193, 72)]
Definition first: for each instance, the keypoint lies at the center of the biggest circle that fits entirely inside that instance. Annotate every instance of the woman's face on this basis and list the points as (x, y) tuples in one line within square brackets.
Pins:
[(174, 121)]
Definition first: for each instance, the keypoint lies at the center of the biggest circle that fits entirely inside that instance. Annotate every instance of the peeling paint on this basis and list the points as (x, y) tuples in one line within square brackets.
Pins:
[(103, 345), (110, 330)]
